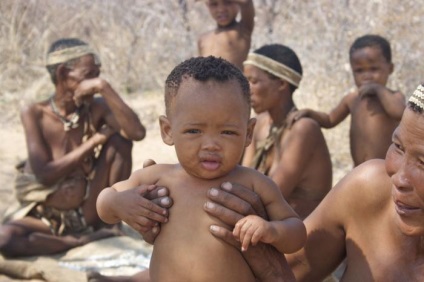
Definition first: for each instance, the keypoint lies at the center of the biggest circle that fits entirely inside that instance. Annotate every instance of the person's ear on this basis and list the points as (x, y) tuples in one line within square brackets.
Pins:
[(249, 134), (61, 72), (283, 85), (165, 130)]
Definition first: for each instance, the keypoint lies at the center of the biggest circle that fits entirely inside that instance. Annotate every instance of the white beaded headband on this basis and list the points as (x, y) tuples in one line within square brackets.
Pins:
[(417, 97)]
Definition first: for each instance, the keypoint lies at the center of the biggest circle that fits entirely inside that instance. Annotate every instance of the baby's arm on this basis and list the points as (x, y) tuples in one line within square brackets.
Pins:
[(127, 201), (285, 230), (392, 102)]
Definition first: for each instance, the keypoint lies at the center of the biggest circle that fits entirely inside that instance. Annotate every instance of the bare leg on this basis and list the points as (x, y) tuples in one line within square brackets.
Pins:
[(142, 276), (31, 237), (114, 164)]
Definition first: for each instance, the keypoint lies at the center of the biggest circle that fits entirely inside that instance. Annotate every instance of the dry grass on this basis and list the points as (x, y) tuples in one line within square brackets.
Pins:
[(141, 40)]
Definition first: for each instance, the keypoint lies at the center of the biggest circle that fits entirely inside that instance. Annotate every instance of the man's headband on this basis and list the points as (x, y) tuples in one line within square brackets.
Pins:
[(67, 54), (278, 69), (418, 97)]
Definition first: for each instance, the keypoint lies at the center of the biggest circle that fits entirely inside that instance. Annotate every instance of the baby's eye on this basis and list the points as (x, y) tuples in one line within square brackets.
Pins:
[(229, 132), (192, 131)]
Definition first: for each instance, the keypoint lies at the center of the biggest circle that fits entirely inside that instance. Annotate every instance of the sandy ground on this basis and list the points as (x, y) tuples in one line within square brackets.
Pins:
[(13, 148)]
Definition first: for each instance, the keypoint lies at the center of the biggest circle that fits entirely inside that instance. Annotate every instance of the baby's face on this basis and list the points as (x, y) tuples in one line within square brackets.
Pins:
[(223, 11), (210, 126), (370, 66)]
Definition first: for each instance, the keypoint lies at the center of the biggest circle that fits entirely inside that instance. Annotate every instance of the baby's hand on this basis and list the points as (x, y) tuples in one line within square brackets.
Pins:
[(369, 89), (250, 230)]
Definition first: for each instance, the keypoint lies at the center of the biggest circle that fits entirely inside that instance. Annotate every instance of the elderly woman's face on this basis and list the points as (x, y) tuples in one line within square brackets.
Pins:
[(405, 166)]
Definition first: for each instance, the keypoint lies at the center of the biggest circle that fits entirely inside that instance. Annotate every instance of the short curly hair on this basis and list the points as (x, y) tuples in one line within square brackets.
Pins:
[(372, 40), (204, 69)]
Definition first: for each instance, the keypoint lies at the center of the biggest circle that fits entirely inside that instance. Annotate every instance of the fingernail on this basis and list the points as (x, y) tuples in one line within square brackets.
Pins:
[(155, 230), (162, 192), (164, 201), (227, 186), (209, 205), (213, 228), (213, 192)]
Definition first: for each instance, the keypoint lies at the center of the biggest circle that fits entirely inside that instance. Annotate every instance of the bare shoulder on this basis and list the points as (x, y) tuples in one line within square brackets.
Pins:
[(350, 97), (256, 180), (154, 170), (33, 111), (305, 127), (148, 175), (368, 185)]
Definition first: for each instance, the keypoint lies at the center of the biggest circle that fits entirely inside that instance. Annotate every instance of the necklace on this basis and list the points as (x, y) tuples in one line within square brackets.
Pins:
[(70, 123), (274, 128)]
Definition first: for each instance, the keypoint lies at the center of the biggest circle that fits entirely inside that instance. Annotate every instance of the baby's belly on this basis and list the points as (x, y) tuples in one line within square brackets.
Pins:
[(184, 253)]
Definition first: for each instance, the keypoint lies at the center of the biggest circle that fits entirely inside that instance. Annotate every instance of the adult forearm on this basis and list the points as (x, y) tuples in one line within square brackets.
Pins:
[(127, 119), (55, 170)]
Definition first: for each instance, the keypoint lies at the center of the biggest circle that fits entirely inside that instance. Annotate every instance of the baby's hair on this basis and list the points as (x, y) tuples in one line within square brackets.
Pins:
[(284, 55), (372, 40), (204, 69), (59, 45)]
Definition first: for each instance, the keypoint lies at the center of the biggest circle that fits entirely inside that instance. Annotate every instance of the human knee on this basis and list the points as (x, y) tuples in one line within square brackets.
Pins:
[(7, 233), (119, 145)]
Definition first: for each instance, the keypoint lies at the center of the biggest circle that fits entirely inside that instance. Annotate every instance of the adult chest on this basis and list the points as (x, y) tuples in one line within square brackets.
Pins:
[(58, 140), (374, 255)]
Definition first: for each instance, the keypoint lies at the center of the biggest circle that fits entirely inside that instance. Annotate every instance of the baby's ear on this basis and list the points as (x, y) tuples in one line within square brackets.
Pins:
[(249, 133), (165, 130)]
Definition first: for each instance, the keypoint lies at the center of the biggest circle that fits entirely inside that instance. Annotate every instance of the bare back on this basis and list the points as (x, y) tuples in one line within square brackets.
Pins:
[(371, 129), (300, 165), (231, 43)]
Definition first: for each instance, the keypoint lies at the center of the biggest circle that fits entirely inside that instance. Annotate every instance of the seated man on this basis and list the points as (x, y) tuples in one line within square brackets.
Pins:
[(77, 145)]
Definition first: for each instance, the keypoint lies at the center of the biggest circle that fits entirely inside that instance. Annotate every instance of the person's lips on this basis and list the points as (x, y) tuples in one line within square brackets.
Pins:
[(211, 163), (405, 209)]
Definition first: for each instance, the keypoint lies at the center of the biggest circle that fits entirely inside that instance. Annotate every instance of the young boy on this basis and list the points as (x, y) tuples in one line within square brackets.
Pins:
[(375, 110), (208, 120), (231, 38)]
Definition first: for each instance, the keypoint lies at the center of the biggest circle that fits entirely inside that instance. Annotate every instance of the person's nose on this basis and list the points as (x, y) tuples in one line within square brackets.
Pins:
[(367, 77), (401, 179), (210, 143)]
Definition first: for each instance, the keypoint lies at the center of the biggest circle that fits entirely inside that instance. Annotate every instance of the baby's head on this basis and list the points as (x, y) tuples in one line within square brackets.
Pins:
[(224, 12), (207, 104), (203, 69), (371, 59)]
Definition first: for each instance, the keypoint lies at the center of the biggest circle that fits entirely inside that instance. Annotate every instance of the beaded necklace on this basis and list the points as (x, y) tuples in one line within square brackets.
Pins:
[(68, 124)]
